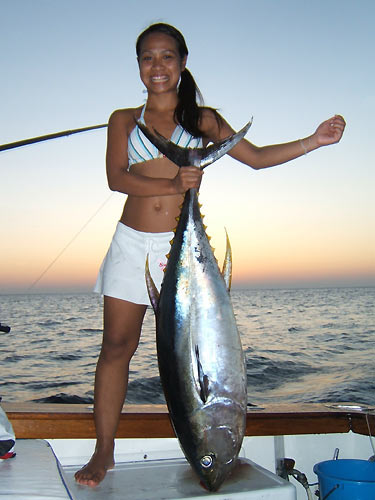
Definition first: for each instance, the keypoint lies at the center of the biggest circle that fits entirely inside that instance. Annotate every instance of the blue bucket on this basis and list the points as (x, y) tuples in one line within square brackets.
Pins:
[(346, 479)]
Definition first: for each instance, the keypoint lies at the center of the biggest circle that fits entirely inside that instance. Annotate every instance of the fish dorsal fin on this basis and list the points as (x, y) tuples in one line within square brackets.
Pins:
[(153, 292), (202, 378), (227, 265)]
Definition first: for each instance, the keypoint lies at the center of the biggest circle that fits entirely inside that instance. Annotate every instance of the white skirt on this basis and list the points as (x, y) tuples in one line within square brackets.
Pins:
[(122, 273)]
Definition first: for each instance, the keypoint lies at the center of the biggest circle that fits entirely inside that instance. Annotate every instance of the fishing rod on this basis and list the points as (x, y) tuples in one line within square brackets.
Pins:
[(47, 137), (56, 135)]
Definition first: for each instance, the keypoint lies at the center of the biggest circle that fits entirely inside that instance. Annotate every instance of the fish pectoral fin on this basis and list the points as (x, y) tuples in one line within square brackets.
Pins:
[(203, 379), (227, 265), (153, 292)]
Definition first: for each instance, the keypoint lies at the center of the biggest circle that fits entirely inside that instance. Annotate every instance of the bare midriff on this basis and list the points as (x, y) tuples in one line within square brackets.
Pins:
[(153, 214)]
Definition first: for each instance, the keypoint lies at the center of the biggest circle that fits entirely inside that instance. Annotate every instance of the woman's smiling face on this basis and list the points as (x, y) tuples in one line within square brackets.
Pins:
[(160, 64)]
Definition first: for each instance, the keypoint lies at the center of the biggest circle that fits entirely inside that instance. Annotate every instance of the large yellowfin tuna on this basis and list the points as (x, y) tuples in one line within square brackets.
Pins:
[(200, 356)]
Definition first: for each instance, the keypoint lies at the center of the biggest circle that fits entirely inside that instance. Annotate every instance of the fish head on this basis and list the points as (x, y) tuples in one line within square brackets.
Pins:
[(215, 455), (214, 463)]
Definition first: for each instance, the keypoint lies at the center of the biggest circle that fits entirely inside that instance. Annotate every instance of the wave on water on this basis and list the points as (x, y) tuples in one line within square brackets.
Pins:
[(50, 385), (90, 330), (295, 329), (66, 356), (346, 391), (264, 373), (48, 323), (141, 390), (63, 398)]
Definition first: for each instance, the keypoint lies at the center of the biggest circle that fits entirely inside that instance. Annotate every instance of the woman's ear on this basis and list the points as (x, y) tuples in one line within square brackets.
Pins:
[(183, 63)]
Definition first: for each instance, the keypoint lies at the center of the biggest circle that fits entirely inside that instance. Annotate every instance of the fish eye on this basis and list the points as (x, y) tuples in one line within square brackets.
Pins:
[(207, 461)]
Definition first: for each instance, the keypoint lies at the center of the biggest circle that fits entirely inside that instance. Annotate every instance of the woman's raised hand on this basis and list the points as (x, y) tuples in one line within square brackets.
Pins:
[(330, 131)]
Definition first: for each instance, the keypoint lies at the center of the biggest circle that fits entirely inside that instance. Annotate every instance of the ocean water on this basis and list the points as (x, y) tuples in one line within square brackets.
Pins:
[(301, 345)]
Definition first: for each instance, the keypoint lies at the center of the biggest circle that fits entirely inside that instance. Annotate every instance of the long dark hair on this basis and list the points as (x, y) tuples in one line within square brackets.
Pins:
[(188, 111)]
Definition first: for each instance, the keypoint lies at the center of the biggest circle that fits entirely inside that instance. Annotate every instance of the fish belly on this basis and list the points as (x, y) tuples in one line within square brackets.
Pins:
[(199, 350)]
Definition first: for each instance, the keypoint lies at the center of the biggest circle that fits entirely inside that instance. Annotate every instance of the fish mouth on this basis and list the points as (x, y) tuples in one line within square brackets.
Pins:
[(213, 479)]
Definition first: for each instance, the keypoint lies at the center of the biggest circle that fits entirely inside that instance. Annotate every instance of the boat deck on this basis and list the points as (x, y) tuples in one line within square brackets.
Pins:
[(35, 474), (309, 433)]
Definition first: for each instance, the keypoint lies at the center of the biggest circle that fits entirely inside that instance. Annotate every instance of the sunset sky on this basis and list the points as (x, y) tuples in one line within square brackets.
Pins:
[(288, 63)]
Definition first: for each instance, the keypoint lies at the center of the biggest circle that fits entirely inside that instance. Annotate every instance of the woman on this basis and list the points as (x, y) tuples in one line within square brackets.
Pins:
[(155, 188)]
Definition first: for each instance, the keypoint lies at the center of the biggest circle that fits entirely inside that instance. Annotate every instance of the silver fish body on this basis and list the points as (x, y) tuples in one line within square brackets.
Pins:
[(200, 356)]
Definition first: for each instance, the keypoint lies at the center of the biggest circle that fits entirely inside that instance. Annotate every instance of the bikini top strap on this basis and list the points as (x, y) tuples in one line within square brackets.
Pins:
[(142, 117)]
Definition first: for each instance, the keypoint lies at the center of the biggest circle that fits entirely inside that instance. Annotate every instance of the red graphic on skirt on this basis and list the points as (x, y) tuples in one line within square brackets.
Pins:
[(162, 265)]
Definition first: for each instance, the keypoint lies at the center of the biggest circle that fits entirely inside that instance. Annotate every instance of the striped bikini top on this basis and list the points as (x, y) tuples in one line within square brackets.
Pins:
[(140, 149)]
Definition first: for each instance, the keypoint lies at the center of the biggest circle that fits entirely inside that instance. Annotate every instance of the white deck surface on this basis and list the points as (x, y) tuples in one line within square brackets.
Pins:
[(32, 474), (173, 479), (35, 474)]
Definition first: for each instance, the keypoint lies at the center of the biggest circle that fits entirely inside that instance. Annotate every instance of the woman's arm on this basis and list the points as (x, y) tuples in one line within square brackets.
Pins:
[(120, 179), (328, 132)]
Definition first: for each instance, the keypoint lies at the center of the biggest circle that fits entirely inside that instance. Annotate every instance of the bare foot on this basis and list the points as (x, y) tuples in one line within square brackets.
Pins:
[(95, 470)]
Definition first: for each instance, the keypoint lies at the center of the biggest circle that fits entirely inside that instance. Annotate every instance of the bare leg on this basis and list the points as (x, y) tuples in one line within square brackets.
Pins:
[(122, 328)]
